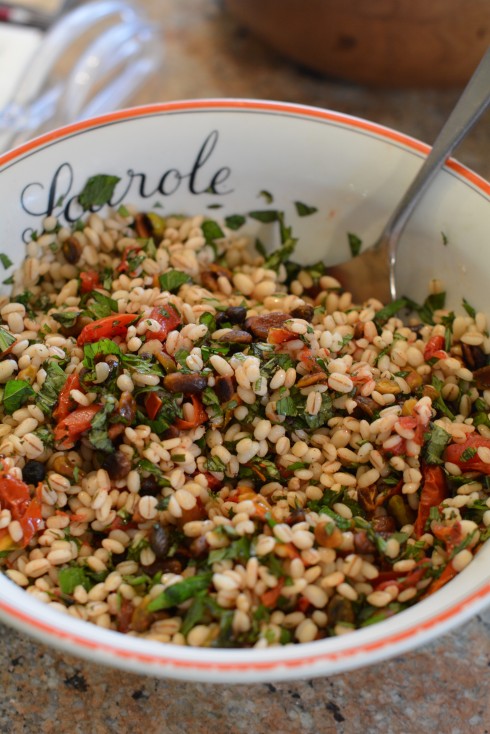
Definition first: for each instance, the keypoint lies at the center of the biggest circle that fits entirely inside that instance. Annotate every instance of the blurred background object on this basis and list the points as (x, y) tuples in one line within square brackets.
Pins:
[(92, 60), (408, 43), (41, 13)]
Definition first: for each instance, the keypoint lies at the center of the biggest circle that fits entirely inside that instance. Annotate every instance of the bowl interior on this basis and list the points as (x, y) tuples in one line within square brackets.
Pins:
[(218, 158)]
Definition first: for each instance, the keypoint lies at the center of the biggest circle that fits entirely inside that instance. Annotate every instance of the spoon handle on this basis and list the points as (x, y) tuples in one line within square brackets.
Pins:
[(470, 106)]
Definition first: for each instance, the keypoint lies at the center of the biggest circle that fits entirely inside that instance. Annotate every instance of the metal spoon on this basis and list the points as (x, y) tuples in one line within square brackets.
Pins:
[(372, 273)]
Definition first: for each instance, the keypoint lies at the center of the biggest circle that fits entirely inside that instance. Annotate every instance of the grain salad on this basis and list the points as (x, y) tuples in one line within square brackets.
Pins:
[(203, 444)]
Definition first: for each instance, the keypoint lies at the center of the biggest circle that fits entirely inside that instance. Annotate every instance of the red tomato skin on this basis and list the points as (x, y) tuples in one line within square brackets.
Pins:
[(434, 491), (168, 318), (454, 451), (64, 400), (106, 328), (89, 281), (69, 430), (435, 348)]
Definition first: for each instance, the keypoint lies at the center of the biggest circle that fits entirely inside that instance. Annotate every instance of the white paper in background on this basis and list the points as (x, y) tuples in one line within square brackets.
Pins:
[(17, 46)]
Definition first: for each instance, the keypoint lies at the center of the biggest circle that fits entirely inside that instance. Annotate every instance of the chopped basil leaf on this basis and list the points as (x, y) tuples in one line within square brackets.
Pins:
[(355, 244), (123, 211), (439, 401), (101, 306), (384, 314), (235, 221), (46, 435), (468, 453), (238, 550), (213, 463), (211, 231), (6, 340), (15, 394), (288, 244), (70, 578), (5, 260), (259, 246), (97, 191), (303, 210), (48, 395), (469, 309), (9, 280), (144, 364), (180, 592), (207, 318), (432, 303), (98, 436), (448, 322), (150, 248), (66, 318), (444, 238), (267, 196), (194, 614), (172, 280), (265, 216), (439, 439), (151, 468), (103, 346)]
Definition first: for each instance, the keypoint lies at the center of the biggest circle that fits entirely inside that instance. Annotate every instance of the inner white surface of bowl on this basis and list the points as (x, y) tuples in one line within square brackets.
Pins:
[(187, 156)]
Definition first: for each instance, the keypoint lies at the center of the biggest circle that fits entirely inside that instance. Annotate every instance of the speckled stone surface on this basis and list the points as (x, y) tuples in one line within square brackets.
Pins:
[(441, 688)]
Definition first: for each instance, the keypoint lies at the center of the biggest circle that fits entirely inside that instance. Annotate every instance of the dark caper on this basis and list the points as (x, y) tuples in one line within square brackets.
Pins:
[(160, 540), (232, 315), (149, 487), (34, 472), (117, 465)]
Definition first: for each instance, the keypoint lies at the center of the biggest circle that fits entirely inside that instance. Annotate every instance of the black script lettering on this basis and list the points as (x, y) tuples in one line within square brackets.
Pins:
[(203, 156), (59, 189), (167, 175), (221, 175)]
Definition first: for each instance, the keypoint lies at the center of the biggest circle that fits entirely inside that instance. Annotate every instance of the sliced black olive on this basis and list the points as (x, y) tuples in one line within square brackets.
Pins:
[(149, 487), (34, 472)]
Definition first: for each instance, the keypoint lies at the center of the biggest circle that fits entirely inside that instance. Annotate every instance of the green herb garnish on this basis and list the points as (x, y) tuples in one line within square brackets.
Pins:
[(97, 191), (355, 244), (15, 394), (172, 280)]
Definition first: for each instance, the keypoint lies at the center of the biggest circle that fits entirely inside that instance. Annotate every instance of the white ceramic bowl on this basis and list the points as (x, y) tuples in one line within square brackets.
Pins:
[(192, 154)]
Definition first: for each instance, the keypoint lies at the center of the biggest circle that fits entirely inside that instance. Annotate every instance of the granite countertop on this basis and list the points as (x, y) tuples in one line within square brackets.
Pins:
[(439, 688)]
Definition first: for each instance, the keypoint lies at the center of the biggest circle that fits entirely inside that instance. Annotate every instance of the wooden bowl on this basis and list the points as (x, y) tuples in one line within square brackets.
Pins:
[(394, 43)]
